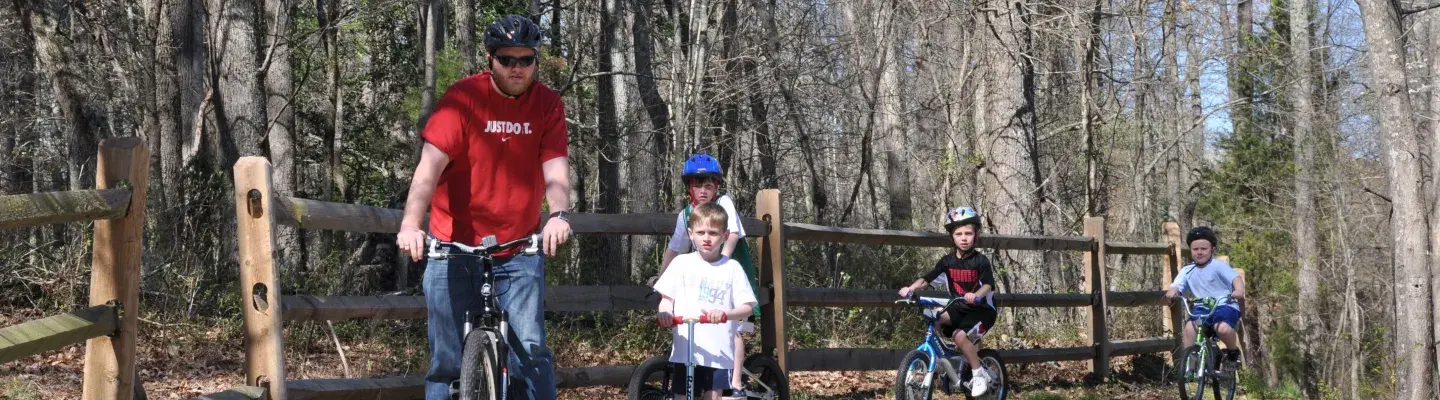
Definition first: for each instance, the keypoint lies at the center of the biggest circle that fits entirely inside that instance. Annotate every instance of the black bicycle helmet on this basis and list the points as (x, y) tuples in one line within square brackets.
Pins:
[(1202, 232), (512, 31)]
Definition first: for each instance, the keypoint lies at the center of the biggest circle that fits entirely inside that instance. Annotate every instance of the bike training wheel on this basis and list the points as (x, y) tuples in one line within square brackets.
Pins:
[(990, 359), (479, 367), (772, 383), (910, 381), (1190, 366), (651, 380), (1222, 383)]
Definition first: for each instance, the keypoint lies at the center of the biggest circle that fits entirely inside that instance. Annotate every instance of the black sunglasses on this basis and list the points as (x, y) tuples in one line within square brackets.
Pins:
[(510, 62)]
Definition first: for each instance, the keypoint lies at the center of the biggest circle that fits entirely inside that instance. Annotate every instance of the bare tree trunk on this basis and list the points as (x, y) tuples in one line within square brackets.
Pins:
[(1085, 51), (655, 106), (613, 265), (1007, 142), (20, 90), (279, 88), (1195, 139), (240, 105), (432, 36), (1433, 22), (81, 123), (188, 37), (765, 145), (465, 34), (1242, 84), (1302, 93), (1398, 133), (1170, 100)]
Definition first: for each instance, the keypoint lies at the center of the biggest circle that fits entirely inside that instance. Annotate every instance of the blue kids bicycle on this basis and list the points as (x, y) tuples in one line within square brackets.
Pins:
[(937, 357)]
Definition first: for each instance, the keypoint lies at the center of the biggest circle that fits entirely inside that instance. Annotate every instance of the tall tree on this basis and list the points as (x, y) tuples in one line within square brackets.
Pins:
[(240, 104), (609, 253), (81, 121), (1432, 24), (1400, 149), (432, 27), (1302, 93), (279, 88), (1007, 139)]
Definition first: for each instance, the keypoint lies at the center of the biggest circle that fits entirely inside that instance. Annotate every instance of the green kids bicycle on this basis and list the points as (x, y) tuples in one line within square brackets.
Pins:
[(1200, 364)]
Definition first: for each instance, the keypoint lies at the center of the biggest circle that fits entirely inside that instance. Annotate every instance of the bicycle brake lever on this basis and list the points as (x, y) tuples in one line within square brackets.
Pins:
[(534, 247)]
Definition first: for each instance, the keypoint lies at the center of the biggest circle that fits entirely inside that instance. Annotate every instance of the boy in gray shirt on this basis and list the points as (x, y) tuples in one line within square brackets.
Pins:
[(1208, 277)]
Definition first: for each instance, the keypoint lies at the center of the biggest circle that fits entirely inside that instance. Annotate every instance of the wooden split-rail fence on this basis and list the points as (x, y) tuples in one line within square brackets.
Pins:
[(119, 209), (259, 210), (108, 325)]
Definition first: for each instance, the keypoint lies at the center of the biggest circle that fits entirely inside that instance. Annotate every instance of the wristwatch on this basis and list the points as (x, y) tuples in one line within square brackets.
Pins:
[(562, 215)]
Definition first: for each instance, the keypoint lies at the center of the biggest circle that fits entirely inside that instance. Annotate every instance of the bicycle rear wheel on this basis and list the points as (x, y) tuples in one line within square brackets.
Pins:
[(990, 359), (1221, 381), (769, 381), (480, 367), (910, 382), (651, 380), (1191, 368)]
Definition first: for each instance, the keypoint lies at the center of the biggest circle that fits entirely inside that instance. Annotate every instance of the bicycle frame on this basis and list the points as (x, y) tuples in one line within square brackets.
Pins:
[(933, 346), (1204, 336), (492, 316)]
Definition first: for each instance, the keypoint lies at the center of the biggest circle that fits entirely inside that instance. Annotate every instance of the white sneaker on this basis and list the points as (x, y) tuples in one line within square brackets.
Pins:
[(980, 383)]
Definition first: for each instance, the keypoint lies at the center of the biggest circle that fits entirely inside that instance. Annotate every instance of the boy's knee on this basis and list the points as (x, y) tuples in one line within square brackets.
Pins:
[(1224, 328)]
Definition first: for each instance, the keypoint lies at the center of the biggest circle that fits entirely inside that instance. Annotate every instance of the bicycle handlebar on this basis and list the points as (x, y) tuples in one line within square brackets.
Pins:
[(703, 319), (487, 246), (1211, 302)]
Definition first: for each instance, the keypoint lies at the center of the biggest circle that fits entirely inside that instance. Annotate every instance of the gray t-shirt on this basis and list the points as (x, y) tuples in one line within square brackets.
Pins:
[(1214, 279)]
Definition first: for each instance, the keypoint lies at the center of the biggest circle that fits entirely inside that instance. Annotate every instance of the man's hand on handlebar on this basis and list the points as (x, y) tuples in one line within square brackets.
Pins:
[(412, 242), (555, 233)]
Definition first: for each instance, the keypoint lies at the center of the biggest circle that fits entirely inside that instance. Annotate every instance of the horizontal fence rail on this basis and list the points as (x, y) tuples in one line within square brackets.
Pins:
[(27, 210), (315, 214), (56, 332), (864, 359), (886, 237)]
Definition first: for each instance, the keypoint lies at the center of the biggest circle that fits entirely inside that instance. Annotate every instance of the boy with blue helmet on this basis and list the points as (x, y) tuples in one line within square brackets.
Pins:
[(703, 176)]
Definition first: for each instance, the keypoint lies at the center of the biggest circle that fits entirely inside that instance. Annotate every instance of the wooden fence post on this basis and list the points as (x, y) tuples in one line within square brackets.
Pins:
[(259, 276), (1173, 258), (1096, 283), (115, 270), (772, 276)]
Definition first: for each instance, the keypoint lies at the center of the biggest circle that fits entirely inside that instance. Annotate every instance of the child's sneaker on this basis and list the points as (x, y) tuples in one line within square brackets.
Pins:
[(979, 383), (736, 394)]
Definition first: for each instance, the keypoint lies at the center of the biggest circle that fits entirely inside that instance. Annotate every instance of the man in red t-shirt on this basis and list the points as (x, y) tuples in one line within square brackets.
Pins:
[(494, 145)]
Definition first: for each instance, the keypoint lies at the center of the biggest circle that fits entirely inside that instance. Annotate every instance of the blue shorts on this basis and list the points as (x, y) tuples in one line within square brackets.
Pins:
[(706, 378), (1228, 315)]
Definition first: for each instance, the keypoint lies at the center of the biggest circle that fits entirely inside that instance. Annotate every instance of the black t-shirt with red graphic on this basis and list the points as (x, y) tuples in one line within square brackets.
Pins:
[(965, 274)]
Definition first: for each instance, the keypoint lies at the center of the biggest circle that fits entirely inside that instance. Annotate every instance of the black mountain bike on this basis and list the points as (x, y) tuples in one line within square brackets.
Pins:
[(484, 374)]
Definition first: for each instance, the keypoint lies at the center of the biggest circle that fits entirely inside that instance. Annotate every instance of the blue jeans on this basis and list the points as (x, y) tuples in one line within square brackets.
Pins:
[(452, 286)]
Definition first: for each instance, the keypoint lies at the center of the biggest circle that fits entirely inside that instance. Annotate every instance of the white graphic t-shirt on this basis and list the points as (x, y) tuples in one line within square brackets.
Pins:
[(696, 286)]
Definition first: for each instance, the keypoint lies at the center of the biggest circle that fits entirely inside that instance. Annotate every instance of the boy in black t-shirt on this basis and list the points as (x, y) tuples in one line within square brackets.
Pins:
[(971, 283)]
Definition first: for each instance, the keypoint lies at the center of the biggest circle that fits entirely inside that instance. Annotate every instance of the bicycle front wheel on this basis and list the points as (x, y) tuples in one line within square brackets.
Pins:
[(1191, 368), (480, 367), (651, 380), (914, 380)]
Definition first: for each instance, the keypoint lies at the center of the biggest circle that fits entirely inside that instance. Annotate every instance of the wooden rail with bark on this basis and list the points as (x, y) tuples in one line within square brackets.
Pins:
[(110, 324), (259, 210)]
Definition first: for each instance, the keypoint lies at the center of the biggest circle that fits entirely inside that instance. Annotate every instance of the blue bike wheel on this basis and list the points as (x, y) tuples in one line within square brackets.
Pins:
[(914, 380)]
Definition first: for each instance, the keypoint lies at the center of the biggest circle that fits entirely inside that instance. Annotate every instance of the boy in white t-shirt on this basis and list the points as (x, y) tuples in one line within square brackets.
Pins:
[(705, 283)]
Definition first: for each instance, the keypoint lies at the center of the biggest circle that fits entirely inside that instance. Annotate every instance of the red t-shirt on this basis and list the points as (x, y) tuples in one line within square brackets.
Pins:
[(494, 183)]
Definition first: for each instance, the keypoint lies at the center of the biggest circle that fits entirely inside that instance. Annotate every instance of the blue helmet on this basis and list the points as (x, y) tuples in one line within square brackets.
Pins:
[(961, 216), (701, 166)]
